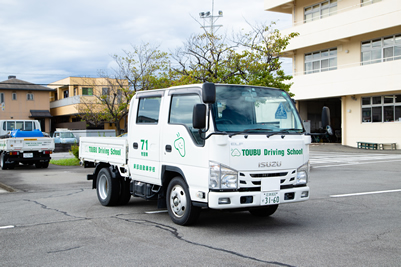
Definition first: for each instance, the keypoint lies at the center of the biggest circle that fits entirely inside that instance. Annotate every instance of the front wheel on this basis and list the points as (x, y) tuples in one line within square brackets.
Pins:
[(107, 188), (179, 203), (265, 211)]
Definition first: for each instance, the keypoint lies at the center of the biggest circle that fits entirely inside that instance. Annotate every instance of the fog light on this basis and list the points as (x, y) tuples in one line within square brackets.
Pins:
[(304, 194), (200, 195), (224, 201)]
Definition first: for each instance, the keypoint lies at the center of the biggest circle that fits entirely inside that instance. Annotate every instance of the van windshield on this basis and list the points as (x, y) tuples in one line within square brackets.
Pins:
[(254, 109)]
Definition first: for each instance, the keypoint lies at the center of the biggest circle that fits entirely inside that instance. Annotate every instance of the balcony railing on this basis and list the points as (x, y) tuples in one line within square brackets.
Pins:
[(66, 102)]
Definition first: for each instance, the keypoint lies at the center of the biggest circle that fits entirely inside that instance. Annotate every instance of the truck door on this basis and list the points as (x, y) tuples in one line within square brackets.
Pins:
[(144, 140), (181, 143)]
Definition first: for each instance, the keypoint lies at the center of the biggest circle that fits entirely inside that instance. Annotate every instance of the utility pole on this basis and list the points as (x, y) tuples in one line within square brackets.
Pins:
[(211, 20)]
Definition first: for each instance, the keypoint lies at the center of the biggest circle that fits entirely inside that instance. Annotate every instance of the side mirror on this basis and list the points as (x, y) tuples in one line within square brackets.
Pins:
[(326, 120), (199, 116), (208, 93)]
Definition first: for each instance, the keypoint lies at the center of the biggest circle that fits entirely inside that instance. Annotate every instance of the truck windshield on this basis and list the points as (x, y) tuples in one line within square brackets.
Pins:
[(67, 135), (254, 109)]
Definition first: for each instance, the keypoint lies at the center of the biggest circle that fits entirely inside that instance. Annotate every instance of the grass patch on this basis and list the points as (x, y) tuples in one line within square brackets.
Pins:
[(65, 162)]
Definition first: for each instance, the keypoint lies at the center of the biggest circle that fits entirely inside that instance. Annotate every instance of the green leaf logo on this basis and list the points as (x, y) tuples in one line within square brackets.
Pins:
[(179, 144)]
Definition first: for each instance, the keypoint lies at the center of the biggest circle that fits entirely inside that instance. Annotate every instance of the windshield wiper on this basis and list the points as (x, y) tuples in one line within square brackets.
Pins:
[(248, 130), (284, 131)]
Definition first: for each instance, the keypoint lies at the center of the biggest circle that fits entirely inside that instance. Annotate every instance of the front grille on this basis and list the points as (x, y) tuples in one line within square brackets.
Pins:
[(263, 175)]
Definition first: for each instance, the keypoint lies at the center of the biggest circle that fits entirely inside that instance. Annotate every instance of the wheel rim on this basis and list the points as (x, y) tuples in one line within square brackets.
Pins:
[(103, 186), (178, 201)]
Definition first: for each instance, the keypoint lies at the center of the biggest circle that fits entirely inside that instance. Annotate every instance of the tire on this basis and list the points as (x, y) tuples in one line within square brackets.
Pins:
[(265, 211), (125, 193), (45, 165), (179, 204), (107, 188), (3, 164)]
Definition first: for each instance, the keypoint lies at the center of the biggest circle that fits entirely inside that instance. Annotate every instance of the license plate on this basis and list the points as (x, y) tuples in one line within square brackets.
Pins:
[(28, 155), (270, 198)]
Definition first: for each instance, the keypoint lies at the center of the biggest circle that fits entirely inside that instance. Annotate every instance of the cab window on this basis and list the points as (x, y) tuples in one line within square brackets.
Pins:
[(148, 110), (181, 111)]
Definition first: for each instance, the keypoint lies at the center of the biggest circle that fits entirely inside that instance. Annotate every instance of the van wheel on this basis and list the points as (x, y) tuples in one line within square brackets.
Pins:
[(265, 211), (107, 188), (179, 203), (125, 194)]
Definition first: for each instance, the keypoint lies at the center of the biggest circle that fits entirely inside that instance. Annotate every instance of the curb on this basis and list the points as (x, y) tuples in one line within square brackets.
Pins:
[(7, 188)]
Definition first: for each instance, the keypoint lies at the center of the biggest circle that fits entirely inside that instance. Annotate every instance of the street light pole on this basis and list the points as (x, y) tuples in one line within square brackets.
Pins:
[(212, 19)]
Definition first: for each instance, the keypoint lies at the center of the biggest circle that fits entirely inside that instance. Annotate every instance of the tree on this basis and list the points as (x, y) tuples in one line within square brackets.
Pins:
[(145, 67), (251, 58), (108, 101)]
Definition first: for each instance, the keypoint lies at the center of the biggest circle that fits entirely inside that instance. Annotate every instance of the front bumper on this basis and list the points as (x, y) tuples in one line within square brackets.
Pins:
[(253, 199)]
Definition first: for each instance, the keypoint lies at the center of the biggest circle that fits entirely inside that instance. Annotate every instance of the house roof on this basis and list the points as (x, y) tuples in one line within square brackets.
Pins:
[(15, 84)]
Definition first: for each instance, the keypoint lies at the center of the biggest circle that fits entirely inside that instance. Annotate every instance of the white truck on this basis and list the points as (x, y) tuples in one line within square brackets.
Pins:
[(225, 147), (27, 147)]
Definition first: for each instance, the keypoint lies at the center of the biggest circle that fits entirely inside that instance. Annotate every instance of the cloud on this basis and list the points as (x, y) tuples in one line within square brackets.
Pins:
[(78, 37)]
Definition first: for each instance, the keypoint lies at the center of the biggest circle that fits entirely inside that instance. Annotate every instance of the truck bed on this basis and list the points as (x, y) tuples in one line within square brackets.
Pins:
[(111, 150), (26, 144)]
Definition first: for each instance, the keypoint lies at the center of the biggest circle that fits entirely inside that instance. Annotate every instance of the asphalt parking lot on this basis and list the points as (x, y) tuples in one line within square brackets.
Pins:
[(351, 219)]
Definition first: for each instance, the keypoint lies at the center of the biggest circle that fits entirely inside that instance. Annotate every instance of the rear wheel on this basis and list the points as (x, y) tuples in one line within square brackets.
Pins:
[(3, 163), (125, 194), (265, 211), (179, 203), (107, 188), (45, 165)]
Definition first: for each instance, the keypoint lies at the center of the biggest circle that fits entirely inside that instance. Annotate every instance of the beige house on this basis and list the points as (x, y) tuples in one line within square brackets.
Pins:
[(348, 57), (73, 96), (21, 100)]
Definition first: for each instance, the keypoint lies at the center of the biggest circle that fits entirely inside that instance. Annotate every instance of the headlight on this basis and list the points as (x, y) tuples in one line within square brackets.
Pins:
[(302, 174), (222, 177)]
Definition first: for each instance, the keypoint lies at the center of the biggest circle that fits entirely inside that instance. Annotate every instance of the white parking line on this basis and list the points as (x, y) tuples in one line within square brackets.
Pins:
[(7, 227), (367, 193)]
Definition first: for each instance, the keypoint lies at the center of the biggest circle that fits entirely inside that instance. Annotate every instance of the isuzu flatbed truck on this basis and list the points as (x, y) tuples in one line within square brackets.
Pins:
[(225, 147)]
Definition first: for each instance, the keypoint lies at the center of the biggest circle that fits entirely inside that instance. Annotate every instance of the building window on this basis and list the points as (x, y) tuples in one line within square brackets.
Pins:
[(14, 96), (29, 96), (1, 98), (320, 61), (75, 90), (66, 93), (381, 50), (385, 108), (87, 91), (368, 2), (105, 91), (319, 11)]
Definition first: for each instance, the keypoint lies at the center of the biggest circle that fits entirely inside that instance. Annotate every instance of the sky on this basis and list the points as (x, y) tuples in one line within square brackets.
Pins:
[(43, 41)]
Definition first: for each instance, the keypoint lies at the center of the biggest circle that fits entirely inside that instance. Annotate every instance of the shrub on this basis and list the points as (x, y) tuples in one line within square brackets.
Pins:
[(75, 150)]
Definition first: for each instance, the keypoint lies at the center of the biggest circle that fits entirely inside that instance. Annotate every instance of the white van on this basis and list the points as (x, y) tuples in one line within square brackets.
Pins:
[(24, 125)]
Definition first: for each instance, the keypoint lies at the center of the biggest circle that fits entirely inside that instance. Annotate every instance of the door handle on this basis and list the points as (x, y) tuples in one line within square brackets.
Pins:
[(168, 148), (135, 145)]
